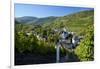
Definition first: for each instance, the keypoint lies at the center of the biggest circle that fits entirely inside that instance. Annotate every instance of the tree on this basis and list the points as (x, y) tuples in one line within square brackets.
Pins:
[(85, 51)]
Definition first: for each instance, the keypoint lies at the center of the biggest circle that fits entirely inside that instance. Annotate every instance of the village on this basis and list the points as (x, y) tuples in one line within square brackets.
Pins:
[(67, 39)]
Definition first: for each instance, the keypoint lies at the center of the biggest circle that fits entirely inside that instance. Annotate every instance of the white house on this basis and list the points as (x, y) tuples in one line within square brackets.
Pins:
[(64, 34), (75, 40)]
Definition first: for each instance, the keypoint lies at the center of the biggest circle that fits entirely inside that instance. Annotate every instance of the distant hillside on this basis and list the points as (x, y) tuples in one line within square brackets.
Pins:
[(35, 20), (25, 19), (44, 20)]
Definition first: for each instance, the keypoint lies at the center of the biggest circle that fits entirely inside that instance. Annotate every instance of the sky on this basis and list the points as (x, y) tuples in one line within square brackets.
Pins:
[(41, 11)]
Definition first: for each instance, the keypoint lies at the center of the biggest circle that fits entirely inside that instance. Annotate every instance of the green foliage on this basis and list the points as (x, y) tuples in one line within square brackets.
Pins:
[(30, 44), (85, 51)]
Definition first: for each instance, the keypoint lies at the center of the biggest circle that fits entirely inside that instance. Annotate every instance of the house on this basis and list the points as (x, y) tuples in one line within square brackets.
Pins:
[(76, 40), (64, 34)]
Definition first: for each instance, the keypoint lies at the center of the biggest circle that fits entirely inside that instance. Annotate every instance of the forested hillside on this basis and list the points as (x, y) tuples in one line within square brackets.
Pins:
[(74, 22)]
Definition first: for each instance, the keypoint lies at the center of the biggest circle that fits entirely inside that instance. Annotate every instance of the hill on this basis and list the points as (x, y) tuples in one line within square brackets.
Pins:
[(25, 19), (75, 22), (35, 20)]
